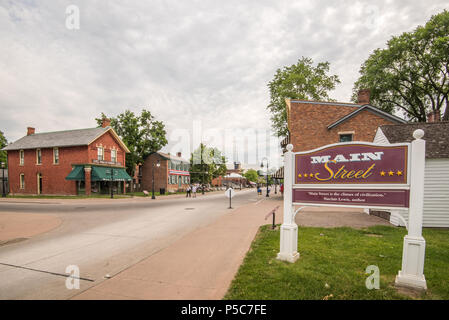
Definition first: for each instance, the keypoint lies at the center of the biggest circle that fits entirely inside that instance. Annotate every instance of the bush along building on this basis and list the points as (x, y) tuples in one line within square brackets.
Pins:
[(84, 161), (171, 173)]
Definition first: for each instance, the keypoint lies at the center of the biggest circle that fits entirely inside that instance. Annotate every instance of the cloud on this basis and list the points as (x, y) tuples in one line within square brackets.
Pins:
[(182, 60)]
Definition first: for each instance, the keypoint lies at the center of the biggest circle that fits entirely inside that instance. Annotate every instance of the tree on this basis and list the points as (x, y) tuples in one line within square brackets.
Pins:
[(299, 81), (412, 73), (251, 175), (3, 143), (206, 164), (141, 134)]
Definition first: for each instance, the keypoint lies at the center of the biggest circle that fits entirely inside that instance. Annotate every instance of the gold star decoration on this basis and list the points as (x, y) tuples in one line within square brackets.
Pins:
[(299, 176), (305, 175), (311, 175), (390, 173), (399, 173), (382, 173)]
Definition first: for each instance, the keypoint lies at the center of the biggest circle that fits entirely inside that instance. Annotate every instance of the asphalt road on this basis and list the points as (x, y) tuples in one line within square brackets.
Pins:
[(101, 238)]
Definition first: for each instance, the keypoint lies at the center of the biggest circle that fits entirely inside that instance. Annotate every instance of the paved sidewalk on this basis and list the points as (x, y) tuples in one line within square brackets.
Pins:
[(200, 265)]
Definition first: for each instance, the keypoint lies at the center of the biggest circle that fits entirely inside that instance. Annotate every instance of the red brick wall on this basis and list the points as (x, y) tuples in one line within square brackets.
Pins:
[(53, 175), (160, 174), (308, 124), (107, 141)]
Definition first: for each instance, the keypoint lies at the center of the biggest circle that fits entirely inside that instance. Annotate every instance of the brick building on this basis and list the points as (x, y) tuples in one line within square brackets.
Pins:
[(172, 175), (312, 124), (67, 162)]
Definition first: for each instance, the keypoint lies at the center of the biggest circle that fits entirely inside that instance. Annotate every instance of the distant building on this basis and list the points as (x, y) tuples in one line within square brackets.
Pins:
[(171, 176), (234, 176), (71, 162), (436, 174)]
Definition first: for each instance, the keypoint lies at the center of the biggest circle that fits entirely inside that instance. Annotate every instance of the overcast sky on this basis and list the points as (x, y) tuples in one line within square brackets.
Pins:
[(191, 63)]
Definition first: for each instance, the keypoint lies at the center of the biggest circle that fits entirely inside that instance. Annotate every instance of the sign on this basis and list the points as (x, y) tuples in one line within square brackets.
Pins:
[(230, 193), (353, 174), (353, 164), (106, 162), (364, 175), (351, 197)]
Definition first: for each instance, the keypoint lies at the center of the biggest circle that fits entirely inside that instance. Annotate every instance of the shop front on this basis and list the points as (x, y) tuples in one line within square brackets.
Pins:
[(99, 179)]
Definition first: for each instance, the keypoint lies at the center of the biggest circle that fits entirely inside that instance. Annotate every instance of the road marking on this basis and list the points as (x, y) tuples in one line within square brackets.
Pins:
[(48, 272)]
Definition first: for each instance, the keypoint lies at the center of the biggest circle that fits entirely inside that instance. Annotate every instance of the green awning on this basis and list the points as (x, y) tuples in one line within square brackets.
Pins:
[(77, 173), (106, 173)]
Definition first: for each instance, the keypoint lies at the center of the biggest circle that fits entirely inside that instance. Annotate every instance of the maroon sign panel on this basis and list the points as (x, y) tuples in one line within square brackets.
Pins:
[(352, 197), (353, 164)]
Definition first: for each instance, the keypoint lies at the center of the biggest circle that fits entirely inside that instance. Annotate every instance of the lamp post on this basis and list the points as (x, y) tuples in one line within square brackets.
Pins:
[(261, 165), (152, 176), (3, 180), (112, 183)]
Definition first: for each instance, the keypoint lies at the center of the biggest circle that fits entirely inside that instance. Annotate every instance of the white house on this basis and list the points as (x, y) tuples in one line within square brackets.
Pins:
[(436, 176)]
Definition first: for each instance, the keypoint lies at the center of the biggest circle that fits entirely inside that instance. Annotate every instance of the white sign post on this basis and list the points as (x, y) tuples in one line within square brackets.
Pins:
[(407, 193), (289, 229), (413, 253)]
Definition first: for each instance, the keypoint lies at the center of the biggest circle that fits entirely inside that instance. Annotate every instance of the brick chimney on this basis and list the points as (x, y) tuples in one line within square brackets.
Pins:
[(363, 96), (30, 131), (179, 154), (433, 116), (105, 122)]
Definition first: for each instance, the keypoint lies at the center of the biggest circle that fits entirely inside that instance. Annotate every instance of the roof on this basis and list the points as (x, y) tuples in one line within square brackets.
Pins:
[(168, 156), (67, 138), (370, 108), (436, 135)]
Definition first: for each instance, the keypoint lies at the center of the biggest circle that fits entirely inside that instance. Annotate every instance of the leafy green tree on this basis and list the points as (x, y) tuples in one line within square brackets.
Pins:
[(299, 81), (206, 164), (412, 73), (251, 175), (141, 134), (3, 143)]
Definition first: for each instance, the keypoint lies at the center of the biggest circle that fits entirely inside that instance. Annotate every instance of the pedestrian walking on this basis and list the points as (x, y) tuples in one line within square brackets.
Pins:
[(259, 190), (188, 193), (194, 191)]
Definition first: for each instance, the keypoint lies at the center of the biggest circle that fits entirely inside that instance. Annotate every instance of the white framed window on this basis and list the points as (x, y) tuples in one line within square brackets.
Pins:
[(100, 153), (38, 156), (22, 157), (22, 181), (55, 156), (114, 155)]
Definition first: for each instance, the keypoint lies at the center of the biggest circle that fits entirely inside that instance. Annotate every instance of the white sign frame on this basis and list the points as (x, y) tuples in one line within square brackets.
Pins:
[(411, 275)]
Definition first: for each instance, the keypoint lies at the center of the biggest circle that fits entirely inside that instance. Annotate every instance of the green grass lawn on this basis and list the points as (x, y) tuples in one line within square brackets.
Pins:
[(338, 258)]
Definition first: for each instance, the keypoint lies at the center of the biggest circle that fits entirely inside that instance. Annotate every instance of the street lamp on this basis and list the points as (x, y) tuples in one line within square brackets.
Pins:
[(157, 165), (261, 165), (3, 181)]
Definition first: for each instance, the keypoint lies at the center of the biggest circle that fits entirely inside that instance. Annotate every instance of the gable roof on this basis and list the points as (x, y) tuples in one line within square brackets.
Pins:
[(370, 108), (436, 135), (67, 138)]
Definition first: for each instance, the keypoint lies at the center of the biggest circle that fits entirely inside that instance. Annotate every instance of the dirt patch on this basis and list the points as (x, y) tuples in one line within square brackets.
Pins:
[(330, 217)]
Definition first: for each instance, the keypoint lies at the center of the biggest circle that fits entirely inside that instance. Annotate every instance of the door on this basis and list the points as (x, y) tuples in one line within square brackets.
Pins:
[(39, 183)]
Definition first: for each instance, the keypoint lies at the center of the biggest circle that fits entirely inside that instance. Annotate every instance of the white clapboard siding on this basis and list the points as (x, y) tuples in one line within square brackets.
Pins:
[(436, 195), (380, 137)]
